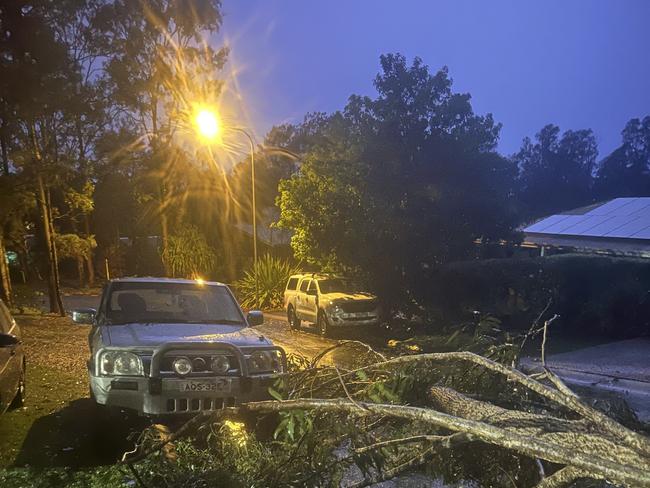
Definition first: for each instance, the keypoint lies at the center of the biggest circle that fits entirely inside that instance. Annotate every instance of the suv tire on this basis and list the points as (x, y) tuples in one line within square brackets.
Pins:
[(294, 321), (323, 324)]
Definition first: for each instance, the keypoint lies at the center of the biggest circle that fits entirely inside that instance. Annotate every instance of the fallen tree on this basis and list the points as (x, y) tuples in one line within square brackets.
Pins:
[(401, 414)]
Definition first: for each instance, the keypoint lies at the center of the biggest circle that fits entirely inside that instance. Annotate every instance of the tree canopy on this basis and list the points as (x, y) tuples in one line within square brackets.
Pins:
[(396, 184)]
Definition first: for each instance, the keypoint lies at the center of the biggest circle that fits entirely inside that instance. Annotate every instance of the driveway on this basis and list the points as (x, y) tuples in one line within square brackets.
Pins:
[(621, 368)]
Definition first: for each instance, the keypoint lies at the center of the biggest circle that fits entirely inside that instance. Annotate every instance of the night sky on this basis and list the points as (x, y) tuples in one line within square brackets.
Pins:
[(578, 64)]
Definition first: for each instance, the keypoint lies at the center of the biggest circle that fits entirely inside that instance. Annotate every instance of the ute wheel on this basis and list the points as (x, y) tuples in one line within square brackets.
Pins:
[(294, 321), (19, 399), (323, 325)]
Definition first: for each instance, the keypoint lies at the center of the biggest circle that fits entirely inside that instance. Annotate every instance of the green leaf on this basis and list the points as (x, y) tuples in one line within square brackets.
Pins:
[(275, 394)]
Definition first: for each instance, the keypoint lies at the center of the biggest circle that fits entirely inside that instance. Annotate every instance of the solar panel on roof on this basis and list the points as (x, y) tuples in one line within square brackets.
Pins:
[(618, 218), (611, 207), (561, 226), (607, 226), (635, 205), (642, 234), (635, 225), (588, 222), (545, 223), (643, 209)]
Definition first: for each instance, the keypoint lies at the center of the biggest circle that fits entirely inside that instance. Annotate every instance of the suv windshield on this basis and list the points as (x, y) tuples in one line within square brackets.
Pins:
[(340, 285), (171, 303)]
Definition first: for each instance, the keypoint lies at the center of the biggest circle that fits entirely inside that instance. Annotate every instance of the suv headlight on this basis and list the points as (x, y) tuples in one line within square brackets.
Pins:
[(120, 363), (335, 308), (265, 362)]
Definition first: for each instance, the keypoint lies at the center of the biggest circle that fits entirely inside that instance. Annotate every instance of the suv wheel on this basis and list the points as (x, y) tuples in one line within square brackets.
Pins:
[(323, 325), (19, 399), (294, 321)]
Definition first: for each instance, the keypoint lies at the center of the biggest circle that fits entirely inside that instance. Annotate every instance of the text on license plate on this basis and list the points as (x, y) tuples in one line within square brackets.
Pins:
[(216, 385)]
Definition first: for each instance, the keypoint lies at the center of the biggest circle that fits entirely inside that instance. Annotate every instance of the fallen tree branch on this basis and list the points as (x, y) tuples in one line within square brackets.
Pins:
[(562, 478), (596, 466), (572, 402), (324, 352), (571, 434)]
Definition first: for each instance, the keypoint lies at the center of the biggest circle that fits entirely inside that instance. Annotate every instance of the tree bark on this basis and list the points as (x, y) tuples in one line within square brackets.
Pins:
[(90, 262), (3, 148), (80, 271), (54, 293)]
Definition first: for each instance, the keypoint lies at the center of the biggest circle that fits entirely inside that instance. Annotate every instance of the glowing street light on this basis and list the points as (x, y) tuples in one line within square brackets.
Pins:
[(208, 127), (207, 124)]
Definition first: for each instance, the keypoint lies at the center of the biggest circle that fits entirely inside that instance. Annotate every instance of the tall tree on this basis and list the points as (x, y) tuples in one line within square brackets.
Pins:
[(556, 171), (395, 185), (626, 171), (34, 72), (160, 67)]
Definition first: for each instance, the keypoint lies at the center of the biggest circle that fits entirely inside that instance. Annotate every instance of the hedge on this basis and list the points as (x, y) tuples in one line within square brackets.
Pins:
[(593, 294)]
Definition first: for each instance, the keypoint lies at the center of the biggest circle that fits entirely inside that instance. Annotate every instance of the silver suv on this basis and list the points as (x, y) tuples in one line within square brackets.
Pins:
[(168, 346), (329, 302)]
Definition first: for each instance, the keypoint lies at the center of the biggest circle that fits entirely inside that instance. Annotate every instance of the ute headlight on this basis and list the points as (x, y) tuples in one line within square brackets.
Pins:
[(265, 362), (335, 308), (220, 364), (120, 363), (182, 366)]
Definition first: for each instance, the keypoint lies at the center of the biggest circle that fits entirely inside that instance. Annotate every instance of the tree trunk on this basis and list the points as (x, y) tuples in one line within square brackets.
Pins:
[(55, 257), (164, 231), (5, 278), (80, 271), (54, 293), (90, 268), (3, 149), (90, 265)]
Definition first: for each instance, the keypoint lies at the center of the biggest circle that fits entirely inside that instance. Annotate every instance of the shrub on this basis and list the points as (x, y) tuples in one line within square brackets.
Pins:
[(272, 275), (188, 254), (592, 294)]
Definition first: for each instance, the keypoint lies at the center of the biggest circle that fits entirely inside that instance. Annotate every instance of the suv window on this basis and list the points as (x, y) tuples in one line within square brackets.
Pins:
[(293, 284), (312, 286), (305, 283)]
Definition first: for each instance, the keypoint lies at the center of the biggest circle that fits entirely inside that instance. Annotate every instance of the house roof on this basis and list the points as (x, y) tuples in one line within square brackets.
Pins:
[(620, 218)]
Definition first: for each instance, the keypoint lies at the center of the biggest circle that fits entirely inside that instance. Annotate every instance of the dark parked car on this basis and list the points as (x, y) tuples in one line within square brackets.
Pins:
[(12, 362)]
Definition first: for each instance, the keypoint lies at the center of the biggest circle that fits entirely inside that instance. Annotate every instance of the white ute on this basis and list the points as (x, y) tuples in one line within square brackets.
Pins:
[(329, 302)]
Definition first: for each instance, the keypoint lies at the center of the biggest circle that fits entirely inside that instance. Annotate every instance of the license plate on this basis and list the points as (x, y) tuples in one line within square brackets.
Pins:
[(220, 385)]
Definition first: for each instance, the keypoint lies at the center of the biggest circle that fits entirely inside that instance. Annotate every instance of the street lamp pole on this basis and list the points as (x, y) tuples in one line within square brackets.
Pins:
[(255, 270)]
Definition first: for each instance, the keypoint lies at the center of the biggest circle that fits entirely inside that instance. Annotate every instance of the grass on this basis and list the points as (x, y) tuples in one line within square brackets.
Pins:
[(48, 392)]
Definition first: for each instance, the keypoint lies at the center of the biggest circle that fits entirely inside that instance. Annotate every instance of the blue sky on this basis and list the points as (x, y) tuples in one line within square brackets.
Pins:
[(576, 63)]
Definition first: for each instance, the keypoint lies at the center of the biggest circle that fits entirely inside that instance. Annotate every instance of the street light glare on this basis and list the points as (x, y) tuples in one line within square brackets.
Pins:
[(207, 123)]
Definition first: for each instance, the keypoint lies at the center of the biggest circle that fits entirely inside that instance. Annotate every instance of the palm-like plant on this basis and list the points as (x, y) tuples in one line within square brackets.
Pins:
[(272, 275)]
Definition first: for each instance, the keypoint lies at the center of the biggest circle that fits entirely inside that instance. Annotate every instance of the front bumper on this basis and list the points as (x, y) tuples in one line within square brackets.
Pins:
[(358, 319), (163, 396), (159, 393)]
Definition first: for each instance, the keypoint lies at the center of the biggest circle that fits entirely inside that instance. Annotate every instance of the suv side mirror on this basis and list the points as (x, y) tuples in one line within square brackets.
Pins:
[(8, 340), (84, 316), (255, 317)]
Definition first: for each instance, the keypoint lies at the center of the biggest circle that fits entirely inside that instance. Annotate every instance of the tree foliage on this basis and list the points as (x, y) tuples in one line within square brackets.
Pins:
[(626, 171), (267, 279), (556, 171), (188, 254), (396, 184)]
